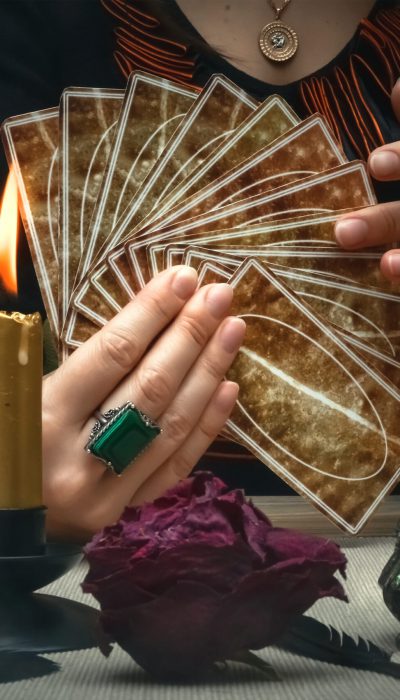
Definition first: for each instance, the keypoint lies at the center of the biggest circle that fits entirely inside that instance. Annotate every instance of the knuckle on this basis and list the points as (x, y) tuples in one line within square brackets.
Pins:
[(209, 430), (213, 367), (182, 465), (119, 346), (193, 329), (177, 427), (390, 222), (157, 306), (154, 385)]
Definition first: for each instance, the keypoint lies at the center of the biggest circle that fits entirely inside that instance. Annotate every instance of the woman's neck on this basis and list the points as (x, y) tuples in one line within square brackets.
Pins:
[(233, 26)]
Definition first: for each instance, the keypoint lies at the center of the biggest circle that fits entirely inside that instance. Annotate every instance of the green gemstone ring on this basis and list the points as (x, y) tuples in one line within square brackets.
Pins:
[(120, 435)]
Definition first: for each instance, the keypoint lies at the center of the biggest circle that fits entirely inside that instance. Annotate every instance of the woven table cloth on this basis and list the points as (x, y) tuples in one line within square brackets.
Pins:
[(87, 674)]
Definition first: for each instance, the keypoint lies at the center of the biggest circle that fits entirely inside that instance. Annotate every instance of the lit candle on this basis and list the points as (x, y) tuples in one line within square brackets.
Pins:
[(20, 410), (22, 515)]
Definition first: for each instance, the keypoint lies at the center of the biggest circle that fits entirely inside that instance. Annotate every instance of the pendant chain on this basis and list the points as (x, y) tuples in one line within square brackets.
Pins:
[(279, 10)]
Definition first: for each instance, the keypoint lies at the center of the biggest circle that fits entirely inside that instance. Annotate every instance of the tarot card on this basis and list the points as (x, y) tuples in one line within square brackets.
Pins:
[(317, 229), (309, 407), (274, 117), (151, 111), (354, 268), (211, 272), (93, 306), (87, 120), (229, 257), (370, 314), (347, 186), (311, 230), (269, 121), (181, 153), (31, 145), (218, 110), (351, 268), (100, 295), (83, 330), (324, 192), (306, 149), (119, 284), (105, 286)]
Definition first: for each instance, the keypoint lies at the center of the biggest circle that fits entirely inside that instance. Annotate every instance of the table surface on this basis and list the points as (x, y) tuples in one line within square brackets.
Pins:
[(87, 674)]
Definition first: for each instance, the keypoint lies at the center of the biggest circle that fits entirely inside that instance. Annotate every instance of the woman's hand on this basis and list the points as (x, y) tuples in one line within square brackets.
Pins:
[(167, 351), (380, 224)]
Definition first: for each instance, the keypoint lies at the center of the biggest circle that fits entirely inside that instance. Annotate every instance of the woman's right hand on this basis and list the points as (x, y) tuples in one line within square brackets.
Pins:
[(167, 352)]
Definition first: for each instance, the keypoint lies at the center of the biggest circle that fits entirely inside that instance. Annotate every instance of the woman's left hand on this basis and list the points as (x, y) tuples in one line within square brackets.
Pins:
[(379, 224)]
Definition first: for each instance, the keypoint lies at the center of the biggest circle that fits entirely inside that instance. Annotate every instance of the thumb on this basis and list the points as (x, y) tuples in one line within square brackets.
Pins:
[(396, 99)]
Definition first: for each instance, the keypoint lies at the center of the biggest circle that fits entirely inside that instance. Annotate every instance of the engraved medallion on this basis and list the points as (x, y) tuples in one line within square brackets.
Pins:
[(278, 42)]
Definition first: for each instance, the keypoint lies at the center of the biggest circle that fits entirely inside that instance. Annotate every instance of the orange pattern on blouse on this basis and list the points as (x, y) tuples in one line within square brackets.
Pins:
[(143, 44)]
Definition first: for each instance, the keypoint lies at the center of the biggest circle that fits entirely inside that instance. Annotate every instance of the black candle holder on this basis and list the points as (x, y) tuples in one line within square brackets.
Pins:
[(35, 623)]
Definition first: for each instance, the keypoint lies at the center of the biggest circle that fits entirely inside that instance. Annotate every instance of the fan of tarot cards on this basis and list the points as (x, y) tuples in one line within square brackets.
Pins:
[(116, 186)]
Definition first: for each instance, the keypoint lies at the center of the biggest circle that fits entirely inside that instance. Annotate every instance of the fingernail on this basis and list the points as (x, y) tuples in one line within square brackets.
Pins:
[(227, 395), (184, 282), (351, 232), (219, 299), (394, 264), (385, 163), (232, 334)]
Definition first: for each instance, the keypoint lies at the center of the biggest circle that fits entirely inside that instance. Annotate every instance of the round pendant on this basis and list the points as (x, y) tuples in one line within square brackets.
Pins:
[(278, 42)]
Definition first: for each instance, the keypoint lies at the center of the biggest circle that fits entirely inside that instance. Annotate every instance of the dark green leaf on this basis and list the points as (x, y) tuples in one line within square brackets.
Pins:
[(43, 624), (17, 667), (311, 638)]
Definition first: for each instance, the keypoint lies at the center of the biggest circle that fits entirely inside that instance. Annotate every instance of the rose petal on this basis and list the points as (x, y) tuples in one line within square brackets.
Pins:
[(172, 635), (282, 544), (245, 519), (118, 591), (265, 602), (221, 568), (106, 560)]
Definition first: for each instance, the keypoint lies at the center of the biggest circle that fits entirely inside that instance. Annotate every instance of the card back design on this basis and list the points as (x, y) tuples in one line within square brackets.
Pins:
[(306, 149), (87, 119), (152, 110), (309, 407), (271, 119), (345, 186), (219, 109)]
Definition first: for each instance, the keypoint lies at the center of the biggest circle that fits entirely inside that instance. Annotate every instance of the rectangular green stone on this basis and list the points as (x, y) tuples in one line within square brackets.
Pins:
[(123, 440)]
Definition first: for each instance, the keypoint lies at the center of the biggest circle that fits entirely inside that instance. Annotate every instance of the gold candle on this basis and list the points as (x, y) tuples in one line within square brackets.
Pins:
[(20, 410)]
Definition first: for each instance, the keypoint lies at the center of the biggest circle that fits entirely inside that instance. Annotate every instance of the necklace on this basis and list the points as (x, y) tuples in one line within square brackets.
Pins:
[(278, 41)]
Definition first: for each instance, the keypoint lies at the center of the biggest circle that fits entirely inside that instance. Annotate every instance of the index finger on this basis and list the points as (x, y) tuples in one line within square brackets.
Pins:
[(373, 226), (84, 381)]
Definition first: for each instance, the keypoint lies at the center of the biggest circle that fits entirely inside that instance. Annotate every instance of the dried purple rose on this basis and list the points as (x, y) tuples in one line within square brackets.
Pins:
[(201, 576)]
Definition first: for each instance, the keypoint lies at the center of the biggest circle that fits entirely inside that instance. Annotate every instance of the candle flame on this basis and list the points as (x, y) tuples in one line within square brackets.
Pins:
[(9, 235)]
